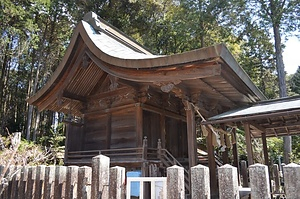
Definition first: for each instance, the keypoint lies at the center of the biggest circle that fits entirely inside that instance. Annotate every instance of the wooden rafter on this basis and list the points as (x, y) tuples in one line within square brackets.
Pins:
[(257, 127), (217, 92), (72, 96)]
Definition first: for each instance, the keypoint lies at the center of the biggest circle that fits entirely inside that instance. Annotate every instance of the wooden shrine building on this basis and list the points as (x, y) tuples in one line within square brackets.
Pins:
[(115, 93)]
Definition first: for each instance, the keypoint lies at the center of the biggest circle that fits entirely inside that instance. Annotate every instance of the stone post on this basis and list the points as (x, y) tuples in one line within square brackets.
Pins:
[(84, 182), (175, 182), (228, 182), (291, 173), (39, 183), (71, 181), (244, 173), (259, 181), (117, 183), (100, 177), (49, 182), (60, 182), (276, 177), (200, 183)]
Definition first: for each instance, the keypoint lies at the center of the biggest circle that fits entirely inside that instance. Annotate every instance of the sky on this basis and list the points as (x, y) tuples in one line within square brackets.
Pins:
[(291, 55)]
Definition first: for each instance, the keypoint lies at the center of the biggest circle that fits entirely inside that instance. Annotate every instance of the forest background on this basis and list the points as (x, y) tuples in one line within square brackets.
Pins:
[(34, 35)]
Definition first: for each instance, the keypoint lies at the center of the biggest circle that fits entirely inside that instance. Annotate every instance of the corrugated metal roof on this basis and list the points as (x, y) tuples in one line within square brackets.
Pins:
[(279, 105), (107, 44)]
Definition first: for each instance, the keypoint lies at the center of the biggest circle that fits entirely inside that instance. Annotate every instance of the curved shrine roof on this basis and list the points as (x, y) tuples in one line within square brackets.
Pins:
[(209, 75)]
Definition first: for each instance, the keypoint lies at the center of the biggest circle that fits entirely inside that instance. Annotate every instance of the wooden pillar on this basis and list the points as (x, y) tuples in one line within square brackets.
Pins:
[(265, 147), (67, 143), (212, 164), (225, 153), (248, 143), (266, 155), (191, 134), (163, 130), (108, 131), (235, 152), (235, 149), (139, 124), (145, 172)]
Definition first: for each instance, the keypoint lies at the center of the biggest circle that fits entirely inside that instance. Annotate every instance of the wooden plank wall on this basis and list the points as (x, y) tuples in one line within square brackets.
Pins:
[(95, 133), (123, 129), (176, 137), (74, 137), (152, 128)]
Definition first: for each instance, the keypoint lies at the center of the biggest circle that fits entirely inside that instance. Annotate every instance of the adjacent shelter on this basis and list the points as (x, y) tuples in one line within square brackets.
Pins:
[(269, 118)]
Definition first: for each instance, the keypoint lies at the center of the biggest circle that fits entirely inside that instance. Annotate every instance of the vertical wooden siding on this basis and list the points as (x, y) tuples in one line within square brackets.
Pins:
[(176, 137), (95, 133), (123, 129), (151, 128)]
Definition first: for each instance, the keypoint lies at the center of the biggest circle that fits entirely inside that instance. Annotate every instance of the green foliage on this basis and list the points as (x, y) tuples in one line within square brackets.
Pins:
[(55, 142), (294, 82), (295, 157), (275, 148)]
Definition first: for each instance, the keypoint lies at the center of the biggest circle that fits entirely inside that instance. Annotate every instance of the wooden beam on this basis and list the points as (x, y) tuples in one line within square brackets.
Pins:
[(282, 125), (108, 110), (72, 96), (108, 94), (163, 111), (248, 143), (191, 134), (214, 90), (156, 74), (256, 126)]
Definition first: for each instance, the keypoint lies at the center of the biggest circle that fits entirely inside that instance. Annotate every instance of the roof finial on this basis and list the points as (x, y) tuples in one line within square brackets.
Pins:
[(92, 19)]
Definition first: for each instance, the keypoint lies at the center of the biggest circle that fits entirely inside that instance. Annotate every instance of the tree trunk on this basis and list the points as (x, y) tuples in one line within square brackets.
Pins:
[(287, 140), (36, 79), (36, 126), (5, 64)]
